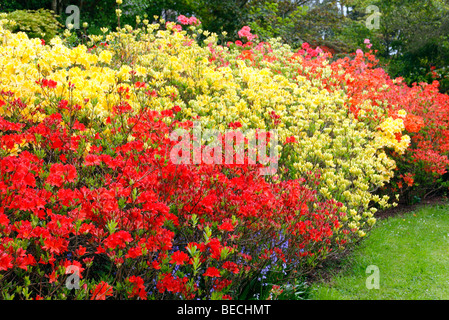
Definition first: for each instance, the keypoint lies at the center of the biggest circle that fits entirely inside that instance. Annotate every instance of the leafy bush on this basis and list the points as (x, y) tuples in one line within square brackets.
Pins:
[(252, 84), (39, 23)]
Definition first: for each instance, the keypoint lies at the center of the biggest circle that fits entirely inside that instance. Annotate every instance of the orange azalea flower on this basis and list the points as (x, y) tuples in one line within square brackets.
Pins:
[(413, 123), (408, 178), (247, 54)]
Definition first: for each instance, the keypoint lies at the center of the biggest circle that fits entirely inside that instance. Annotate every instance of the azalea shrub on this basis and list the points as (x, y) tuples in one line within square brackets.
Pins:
[(255, 85), (115, 212), (421, 108)]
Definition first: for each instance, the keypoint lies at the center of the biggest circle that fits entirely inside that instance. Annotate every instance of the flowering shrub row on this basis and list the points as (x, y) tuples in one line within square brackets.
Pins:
[(92, 207), (251, 85)]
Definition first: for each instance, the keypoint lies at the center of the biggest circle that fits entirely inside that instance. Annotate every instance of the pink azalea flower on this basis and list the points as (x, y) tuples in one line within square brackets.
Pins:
[(246, 32), (183, 19), (194, 21), (188, 21)]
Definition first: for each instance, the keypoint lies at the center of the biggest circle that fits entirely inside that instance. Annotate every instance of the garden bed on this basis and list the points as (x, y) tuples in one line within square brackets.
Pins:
[(128, 167)]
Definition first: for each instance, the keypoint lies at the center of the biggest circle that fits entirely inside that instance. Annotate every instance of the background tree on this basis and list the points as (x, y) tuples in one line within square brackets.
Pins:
[(412, 38), (297, 21), (411, 41)]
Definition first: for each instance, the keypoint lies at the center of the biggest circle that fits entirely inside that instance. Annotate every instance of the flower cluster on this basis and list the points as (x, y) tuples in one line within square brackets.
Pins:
[(245, 32), (188, 21), (421, 107)]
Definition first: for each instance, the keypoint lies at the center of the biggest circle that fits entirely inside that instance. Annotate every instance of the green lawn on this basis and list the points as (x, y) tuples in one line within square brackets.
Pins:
[(411, 252)]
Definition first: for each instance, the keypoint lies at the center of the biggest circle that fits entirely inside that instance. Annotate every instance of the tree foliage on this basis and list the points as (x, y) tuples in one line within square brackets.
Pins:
[(36, 23), (411, 40), (315, 22)]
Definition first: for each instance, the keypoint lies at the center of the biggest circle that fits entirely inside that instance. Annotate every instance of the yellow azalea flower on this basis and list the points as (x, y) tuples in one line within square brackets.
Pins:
[(402, 113), (105, 56)]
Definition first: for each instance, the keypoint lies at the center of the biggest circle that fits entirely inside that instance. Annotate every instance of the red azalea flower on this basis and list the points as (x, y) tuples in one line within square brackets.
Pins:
[(5, 261), (88, 261), (235, 125), (52, 277), (81, 251), (154, 264), (151, 93), (179, 258), (413, 123), (220, 285), (139, 85), (291, 139), (79, 126), (247, 54), (4, 220), (101, 291), (59, 171), (55, 245), (226, 226), (212, 272), (231, 266), (49, 83), (118, 239), (24, 230), (74, 267), (134, 253), (92, 160), (63, 104), (139, 287)]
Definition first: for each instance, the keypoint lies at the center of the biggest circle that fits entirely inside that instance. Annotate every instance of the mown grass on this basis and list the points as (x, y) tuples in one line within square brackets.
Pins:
[(412, 253)]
